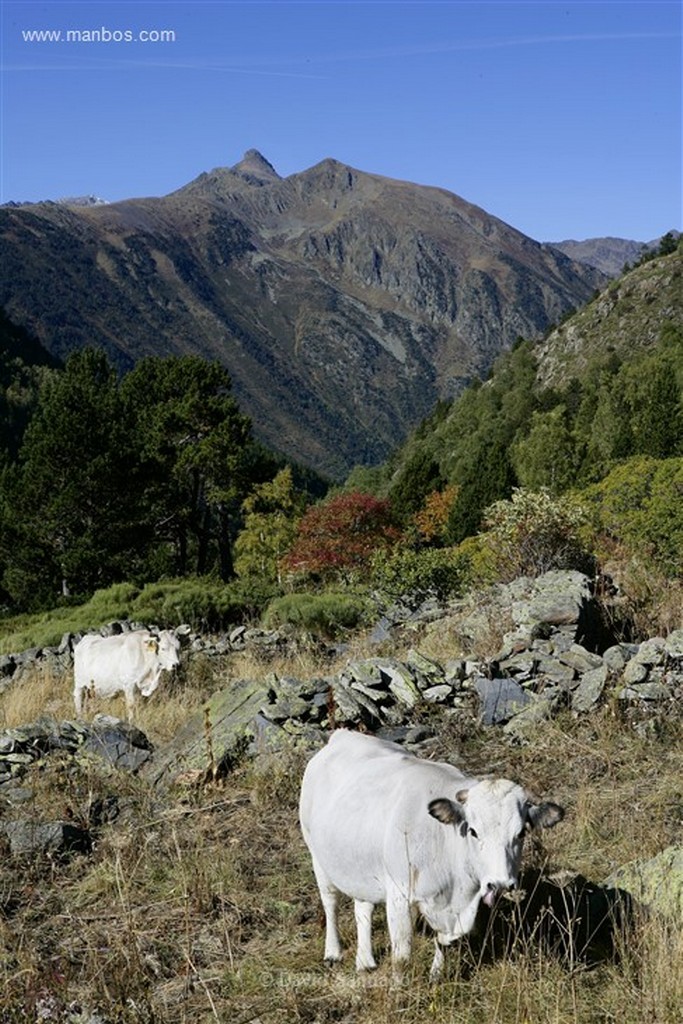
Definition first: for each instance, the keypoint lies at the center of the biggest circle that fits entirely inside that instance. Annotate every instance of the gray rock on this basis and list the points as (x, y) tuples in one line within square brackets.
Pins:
[(673, 646), (590, 689), (521, 665), (30, 838), (402, 685), (455, 671), (500, 699), (635, 672), (617, 657), (522, 727), (348, 705), (555, 672), (581, 660), (427, 671), (437, 694), (118, 743), (213, 739), (656, 883), (286, 707), (381, 631), (649, 691), (651, 652), (267, 736)]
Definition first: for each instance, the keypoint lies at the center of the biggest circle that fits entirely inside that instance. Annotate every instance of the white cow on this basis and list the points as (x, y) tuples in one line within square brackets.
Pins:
[(107, 665), (383, 826)]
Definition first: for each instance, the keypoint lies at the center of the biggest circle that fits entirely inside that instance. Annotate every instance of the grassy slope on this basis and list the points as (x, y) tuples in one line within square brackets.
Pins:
[(201, 906)]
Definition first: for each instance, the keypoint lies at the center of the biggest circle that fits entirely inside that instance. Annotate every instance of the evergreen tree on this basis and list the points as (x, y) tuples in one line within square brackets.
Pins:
[(197, 456), (489, 477), (419, 477), (70, 512)]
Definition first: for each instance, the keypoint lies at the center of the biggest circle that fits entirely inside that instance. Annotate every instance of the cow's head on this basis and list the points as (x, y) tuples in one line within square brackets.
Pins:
[(492, 817), (164, 653), (168, 650)]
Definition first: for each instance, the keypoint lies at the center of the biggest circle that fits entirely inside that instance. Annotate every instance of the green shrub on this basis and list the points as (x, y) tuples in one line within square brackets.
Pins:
[(533, 532), (418, 574), (639, 504), (327, 614), (205, 604)]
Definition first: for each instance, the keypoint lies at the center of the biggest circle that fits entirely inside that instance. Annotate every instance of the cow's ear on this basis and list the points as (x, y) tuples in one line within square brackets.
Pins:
[(544, 815), (446, 811), (153, 645)]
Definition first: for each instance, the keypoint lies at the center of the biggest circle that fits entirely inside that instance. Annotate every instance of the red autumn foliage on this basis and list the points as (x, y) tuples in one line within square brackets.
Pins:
[(341, 535)]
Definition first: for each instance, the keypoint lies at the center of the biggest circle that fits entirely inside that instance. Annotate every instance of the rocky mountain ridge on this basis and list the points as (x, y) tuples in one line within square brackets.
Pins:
[(626, 316), (344, 304)]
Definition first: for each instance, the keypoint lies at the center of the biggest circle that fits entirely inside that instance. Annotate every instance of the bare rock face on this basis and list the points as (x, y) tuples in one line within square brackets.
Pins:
[(344, 304)]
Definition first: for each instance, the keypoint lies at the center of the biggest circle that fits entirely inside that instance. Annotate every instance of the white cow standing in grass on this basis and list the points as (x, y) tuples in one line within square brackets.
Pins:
[(383, 826), (107, 665)]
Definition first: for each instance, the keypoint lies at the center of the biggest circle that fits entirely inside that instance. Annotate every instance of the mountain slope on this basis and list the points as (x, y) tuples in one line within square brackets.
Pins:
[(610, 255), (344, 304), (605, 386), (627, 316)]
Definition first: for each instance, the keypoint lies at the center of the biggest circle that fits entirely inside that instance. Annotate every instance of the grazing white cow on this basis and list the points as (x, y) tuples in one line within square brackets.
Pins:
[(383, 826), (107, 665)]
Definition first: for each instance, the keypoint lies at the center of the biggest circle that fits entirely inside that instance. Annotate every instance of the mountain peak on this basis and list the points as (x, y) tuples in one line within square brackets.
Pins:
[(255, 167)]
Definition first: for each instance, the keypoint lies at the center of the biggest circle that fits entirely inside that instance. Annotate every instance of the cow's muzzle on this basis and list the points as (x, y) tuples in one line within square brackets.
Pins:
[(493, 890)]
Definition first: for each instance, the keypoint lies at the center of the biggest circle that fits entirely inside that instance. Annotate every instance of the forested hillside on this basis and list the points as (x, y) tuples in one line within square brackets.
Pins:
[(155, 479), (619, 396)]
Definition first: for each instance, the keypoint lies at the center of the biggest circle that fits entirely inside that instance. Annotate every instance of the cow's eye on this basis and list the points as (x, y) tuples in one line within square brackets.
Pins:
[(473, 833)]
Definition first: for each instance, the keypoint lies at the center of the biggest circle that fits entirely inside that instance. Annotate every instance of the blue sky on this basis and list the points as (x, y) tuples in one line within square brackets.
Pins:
[(561, 118)]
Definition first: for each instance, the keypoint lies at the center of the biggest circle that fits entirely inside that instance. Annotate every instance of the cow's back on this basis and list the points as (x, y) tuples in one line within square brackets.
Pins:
[(363, 800), (104, 660)]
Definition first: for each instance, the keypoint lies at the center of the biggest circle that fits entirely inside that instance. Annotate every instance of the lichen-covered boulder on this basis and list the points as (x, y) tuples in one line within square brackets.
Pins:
[(657, 883)]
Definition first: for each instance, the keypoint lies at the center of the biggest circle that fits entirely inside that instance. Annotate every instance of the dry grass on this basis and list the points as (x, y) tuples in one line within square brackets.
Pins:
[(200, 906)]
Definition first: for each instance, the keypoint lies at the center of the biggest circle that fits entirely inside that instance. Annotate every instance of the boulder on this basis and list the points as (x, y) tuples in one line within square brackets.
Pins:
[(656, 883), (214, 738), (590, 689), (31, 838), (500, 699), (118, 743), (522, 726)]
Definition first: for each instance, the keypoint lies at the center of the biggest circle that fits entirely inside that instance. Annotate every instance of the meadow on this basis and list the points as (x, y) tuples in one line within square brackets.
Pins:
[(199, 905)]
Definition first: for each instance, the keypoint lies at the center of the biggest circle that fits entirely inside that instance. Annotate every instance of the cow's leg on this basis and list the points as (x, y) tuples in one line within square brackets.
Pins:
[(130, 703), (365, 961), (78, 700), (328, 895), (400, 923), (438, 961)]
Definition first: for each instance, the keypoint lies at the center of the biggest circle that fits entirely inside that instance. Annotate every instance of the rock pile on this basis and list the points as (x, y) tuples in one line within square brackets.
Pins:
[(58, 659), (109, 739)]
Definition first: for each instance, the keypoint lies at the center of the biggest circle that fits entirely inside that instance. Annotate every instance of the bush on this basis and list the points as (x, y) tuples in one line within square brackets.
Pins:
[(205, 604), (326, 614), (336, 538), (534, 532), (639, 505), (415, 575)]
